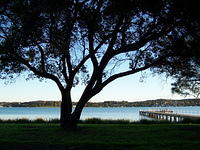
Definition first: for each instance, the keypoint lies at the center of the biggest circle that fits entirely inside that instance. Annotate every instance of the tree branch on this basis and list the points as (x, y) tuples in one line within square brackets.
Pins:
[(64, 70), (104, 39), (126, 73), (67, 59), (84, 59), (114, 33), (42, 74), (149, 36), (91, 49), (42, 57), (133, 47), (2, 37)]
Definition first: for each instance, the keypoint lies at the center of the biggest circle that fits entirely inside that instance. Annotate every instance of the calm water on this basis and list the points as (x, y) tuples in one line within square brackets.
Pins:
[(128, 113)]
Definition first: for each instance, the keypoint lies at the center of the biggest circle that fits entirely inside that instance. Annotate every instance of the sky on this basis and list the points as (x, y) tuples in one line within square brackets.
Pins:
[(128, 89)]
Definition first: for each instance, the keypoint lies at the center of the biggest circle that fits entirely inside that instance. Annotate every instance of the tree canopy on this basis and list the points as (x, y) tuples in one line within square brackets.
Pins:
[(95, 41), (185, 67)]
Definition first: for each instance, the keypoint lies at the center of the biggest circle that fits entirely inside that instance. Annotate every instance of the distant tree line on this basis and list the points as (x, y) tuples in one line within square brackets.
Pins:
[(147, 103)]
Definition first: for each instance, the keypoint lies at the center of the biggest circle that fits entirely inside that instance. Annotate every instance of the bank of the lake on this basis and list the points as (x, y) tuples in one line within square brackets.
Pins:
[(100, 136)]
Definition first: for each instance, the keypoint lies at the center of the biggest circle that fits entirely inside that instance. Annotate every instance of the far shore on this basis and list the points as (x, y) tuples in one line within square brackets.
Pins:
[(147, 103)]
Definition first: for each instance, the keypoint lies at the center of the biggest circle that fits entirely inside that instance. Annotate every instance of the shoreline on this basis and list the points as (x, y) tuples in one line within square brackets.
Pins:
[(147, 103), (97, 107)]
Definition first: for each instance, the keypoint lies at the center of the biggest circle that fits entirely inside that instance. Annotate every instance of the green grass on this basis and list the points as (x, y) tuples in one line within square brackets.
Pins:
[(43, 136), (97, 121)]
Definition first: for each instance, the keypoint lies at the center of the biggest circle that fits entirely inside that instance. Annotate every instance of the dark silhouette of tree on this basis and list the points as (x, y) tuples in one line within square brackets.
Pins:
[(185, 67), (186, 72), (91, 41)]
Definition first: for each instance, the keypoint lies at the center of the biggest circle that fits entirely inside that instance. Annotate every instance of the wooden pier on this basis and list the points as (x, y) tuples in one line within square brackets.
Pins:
[(168, 115)]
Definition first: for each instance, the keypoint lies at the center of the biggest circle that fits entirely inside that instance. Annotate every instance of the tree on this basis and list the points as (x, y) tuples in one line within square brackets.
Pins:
[(93, 41)]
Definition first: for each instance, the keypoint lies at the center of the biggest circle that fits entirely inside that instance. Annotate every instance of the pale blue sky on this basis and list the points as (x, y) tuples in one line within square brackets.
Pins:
[(127, 88)]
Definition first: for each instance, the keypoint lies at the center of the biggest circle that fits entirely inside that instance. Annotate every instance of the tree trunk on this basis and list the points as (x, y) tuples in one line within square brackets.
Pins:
[(69, 120), (66, 119)]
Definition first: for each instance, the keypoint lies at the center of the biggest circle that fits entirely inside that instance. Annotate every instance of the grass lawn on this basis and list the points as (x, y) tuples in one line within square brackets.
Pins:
[(100, 136)]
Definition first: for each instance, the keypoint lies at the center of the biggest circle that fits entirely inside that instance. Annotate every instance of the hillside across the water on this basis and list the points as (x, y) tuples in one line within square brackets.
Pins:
[(147, 103)]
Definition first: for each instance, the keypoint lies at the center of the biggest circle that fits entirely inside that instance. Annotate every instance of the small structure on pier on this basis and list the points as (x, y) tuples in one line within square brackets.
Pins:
[(168, 115)]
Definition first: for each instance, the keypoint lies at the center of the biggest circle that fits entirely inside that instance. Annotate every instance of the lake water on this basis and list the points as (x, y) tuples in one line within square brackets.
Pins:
[(127, 113)]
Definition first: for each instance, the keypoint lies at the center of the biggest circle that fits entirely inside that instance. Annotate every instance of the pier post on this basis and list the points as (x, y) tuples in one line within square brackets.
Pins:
[(175, 119), (170, 119)]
